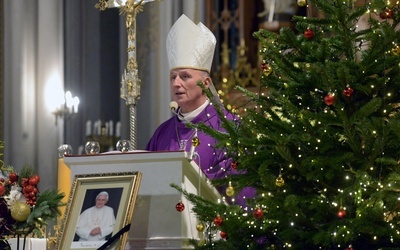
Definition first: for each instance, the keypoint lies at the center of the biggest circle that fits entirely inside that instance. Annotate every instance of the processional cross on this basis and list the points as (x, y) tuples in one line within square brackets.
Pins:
[(130, 82)]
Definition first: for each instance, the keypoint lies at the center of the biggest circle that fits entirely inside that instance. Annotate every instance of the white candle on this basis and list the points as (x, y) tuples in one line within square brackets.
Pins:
[(88, 128), (99, 127), (107, 128), (111, 128), (118, 129)]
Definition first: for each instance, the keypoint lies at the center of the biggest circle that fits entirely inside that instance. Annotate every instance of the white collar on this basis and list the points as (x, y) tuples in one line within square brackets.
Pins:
[(187, 117)]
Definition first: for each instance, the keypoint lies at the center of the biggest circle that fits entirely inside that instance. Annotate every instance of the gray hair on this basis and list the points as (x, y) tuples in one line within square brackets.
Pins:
[(215, 98), (102, 193)]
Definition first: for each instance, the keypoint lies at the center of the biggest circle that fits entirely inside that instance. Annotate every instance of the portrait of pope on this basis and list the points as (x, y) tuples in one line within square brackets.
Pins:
[(97, 219)]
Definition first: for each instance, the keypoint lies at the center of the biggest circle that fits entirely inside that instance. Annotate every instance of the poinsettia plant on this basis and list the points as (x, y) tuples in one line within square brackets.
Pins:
[(23, 209)]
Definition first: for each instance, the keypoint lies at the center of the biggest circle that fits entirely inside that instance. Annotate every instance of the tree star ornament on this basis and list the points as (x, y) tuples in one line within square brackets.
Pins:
[(180, 207)]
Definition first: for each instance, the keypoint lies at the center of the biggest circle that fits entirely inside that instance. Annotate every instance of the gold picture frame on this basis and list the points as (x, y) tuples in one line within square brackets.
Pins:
[(88, 192)]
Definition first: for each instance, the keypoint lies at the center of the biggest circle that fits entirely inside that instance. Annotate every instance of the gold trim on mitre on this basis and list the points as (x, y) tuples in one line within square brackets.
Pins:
[(190, 45)]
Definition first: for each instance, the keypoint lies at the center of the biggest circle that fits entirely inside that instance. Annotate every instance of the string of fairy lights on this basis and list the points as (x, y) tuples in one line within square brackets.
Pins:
[(366, 182)]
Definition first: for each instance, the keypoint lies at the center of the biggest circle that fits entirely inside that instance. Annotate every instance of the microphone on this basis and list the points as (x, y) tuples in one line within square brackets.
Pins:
[(173, 106), (192, 147)]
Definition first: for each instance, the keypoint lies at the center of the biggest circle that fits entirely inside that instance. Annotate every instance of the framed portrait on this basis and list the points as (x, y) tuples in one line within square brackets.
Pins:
[(99, 211)]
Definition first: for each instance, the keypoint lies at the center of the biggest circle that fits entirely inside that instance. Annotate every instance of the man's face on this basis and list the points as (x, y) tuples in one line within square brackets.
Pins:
[(101, 201), (184, 88)]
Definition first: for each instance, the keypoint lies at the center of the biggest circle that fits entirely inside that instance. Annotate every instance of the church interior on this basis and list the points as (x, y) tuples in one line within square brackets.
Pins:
[(62, 63), (53, 47)]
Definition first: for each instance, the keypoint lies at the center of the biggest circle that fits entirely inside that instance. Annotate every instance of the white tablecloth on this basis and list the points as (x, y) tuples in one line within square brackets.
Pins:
[(30, 244)]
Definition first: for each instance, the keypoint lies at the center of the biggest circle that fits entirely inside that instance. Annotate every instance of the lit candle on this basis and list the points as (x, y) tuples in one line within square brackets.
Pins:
[(75, 104)]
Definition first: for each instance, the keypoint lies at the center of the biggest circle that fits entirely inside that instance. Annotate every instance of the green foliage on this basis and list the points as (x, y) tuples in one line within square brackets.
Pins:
[(331, 156), (45, 210)]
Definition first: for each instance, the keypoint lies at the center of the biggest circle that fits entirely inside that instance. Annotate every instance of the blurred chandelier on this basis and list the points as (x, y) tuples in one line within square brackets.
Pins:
[(68, 107)]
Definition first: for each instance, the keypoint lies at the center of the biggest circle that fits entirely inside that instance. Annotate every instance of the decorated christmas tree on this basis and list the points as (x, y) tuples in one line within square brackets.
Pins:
[(320, 142)]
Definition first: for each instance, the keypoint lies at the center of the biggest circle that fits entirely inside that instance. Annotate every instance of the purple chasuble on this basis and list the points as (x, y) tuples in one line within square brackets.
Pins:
[(168, 135), (212, 161)]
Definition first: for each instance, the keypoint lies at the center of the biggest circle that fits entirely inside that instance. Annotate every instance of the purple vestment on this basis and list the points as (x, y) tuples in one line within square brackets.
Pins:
[(212, 161)]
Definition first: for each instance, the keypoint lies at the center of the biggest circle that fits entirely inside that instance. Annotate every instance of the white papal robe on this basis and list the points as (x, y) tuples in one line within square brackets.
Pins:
[(95, 217)]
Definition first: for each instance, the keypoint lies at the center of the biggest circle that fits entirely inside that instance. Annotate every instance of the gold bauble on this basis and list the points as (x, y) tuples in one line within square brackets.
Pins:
[(396, 50), (196, 141), (301, 3), (279, 181), (200, 227), (20, 211), (230, 191), (267, 69)]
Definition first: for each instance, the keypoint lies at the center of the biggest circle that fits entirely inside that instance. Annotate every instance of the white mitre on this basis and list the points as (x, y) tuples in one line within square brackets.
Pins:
[(190, 45)]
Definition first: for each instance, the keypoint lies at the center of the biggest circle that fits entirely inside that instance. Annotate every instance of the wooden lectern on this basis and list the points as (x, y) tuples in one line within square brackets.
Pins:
[(156, 223)]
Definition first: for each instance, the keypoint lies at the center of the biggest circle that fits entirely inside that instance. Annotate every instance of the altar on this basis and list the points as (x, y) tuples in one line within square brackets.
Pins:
[(156, 223)]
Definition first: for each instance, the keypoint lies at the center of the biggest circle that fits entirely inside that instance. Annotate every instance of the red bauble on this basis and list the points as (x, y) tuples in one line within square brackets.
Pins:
[(234, 164), (263, 66), (266, 69), (180, 207), (36, 178), (13, 177), (342, 213), (348, 92), (223, 235), (33, 181), (329, 99), (218, 221), (258, 213), (28, 189), (2, 190), (308, 34), (386, 13), (24, 182)]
